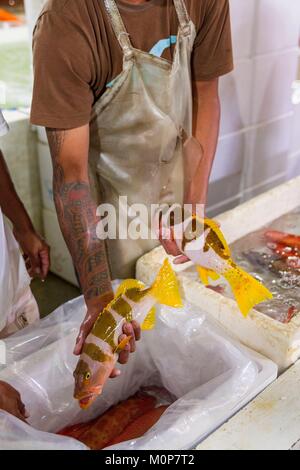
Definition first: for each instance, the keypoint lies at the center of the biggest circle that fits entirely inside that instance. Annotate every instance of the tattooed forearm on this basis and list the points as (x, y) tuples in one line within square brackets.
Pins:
[(78, 220)]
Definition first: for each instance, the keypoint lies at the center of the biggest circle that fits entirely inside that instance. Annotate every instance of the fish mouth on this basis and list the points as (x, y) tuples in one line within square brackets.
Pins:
[(85, 401)]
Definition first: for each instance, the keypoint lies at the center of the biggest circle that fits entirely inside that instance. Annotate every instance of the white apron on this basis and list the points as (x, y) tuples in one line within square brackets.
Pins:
[(18, 307), (137, 131)]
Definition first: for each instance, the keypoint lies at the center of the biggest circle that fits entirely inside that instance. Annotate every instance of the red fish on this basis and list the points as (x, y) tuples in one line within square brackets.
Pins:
[(283, 238), (292, 311), (140, 426), (283, 250), (98, 433)]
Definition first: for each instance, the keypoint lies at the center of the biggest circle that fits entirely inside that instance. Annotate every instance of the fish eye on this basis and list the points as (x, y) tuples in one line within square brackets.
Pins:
[(87, 376)]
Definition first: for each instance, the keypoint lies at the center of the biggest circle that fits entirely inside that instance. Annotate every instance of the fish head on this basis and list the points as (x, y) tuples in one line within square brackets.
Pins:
[(90, 378)]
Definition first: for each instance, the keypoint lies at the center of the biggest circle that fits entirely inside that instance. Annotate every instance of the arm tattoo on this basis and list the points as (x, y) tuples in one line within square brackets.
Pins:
[(76, 212)]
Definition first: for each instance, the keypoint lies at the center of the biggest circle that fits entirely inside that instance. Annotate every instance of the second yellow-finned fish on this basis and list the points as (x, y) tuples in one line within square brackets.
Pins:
[(132, 302), (205, 245)]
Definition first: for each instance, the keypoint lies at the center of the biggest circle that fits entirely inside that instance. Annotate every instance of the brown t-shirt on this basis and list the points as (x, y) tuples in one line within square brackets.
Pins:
[(76, 53)]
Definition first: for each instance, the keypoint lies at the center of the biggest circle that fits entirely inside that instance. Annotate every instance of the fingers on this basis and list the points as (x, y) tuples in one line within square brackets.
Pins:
[(124, 355), (44, 261), (35, 265), (84, 331), (22, 409), (136, 329), (128, 332), (181, 260), (115, 373), (166, 238)]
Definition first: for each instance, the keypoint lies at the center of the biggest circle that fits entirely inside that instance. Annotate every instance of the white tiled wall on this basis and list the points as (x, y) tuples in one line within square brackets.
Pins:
[(260, 128)]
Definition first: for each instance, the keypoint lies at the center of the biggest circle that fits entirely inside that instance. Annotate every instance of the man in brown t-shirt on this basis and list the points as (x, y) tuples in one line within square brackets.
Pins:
[(78, 57)]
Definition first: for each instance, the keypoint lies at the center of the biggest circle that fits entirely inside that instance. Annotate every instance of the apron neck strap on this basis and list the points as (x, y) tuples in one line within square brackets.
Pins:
[(183, 16), (119, 28), (123, 36)]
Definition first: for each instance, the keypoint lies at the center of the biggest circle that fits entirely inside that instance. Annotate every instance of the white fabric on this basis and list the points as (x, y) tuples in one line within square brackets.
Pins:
[(3, 125), (14, 280)]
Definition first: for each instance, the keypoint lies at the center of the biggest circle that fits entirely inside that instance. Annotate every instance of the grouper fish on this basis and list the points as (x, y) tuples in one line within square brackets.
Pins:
[(204, 244), (133, 301)]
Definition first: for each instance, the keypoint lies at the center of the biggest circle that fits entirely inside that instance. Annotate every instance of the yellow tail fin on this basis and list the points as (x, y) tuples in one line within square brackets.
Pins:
[(166, 288), (248, 291)]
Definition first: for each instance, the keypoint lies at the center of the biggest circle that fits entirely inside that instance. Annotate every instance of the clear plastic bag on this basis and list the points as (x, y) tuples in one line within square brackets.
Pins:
[(185, 353)]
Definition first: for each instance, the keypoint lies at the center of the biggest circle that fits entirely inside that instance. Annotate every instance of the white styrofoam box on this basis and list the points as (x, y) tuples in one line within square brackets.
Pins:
[(280, 342), (242, 14), (235, 96), (61, 261), (229, 156), (277, 25), (294, 166), (269, 146), (273, 78), (296, 129), (46, 176)]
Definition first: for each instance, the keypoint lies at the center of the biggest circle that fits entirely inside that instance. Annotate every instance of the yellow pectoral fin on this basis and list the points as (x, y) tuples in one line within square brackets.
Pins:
[(122, 345), (150, 320), (129, 284), (206, 274)]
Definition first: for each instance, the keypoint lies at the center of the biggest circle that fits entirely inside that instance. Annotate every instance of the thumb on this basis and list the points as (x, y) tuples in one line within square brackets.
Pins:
[(44, 262)]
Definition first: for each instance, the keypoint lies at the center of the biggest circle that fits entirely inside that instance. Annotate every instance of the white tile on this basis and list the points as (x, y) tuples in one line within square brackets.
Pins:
[(269, 147), (272, 92), (235, 95), (229, 156), (242, 21), (224, 189), (214, 211), (277, 25), (256, 191)]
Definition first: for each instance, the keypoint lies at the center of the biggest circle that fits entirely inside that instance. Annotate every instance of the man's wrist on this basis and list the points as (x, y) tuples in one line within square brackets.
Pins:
[(22, 224), (96, 305)]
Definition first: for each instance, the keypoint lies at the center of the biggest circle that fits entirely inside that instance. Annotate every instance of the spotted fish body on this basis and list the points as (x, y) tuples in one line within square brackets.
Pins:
[(209, 251), (100, 352)]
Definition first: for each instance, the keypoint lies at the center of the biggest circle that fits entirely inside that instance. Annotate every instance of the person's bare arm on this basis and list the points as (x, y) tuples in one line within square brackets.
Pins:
[(36, 251), (78, 220), (206, 124)]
